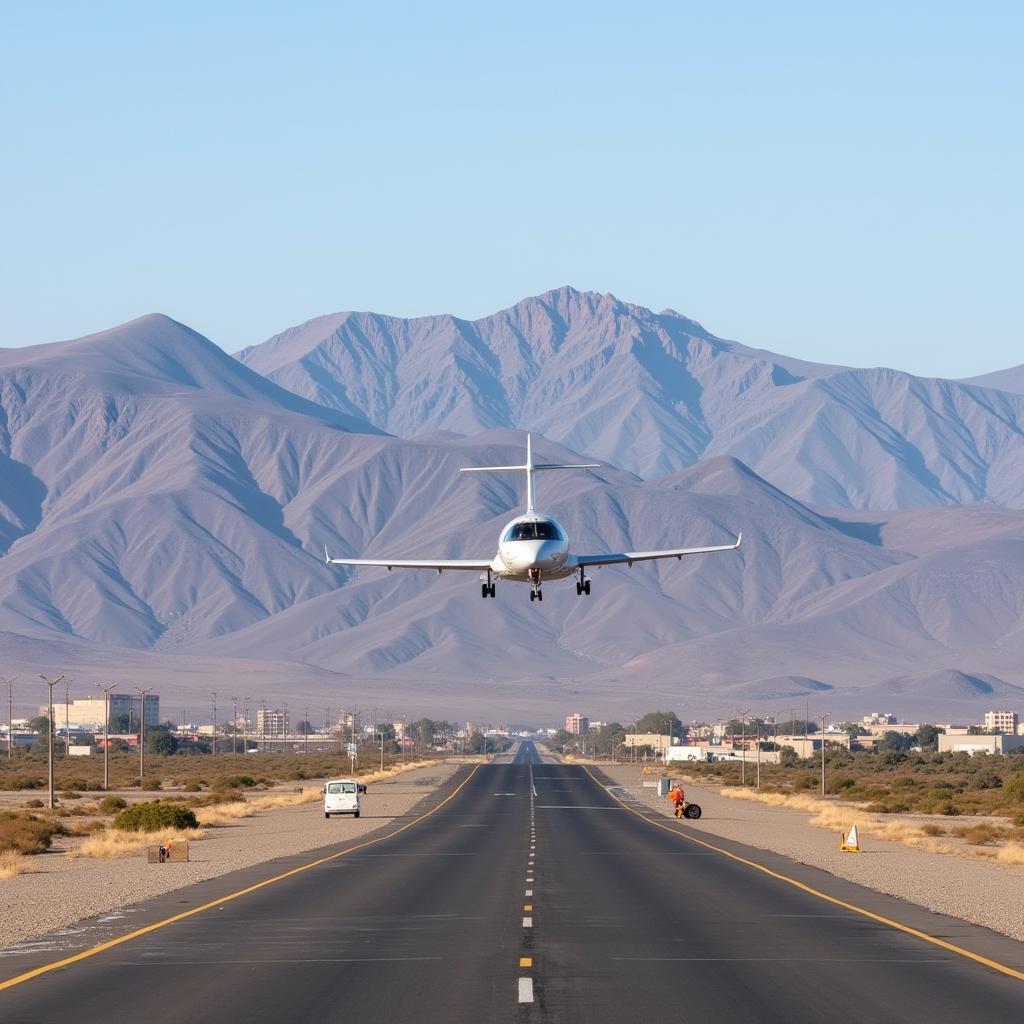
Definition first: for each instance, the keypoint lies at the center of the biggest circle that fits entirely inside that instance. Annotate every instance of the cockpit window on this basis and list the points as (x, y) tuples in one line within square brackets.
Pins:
[(543, 530)]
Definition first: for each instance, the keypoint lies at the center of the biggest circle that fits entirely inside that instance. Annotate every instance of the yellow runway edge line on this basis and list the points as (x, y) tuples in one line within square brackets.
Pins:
[(959, 950), (85, 954)]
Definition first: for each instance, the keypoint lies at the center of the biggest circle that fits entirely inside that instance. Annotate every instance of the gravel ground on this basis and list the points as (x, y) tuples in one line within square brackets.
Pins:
[(988, 894), (61, 891)]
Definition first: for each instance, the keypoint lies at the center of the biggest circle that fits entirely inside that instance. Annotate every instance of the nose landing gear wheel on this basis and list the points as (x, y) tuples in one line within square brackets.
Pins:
[(692, 810), (536, 595)]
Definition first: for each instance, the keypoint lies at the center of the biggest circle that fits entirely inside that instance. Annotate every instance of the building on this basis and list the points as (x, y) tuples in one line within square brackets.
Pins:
[(271, 723), (1001, 721), (87, 712), (577, 724), (805, 746), (657, 741), (879, 718), (997, 744)]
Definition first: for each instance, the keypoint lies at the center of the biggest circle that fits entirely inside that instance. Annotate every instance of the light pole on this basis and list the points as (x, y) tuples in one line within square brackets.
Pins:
[(142, 730), (50, 683), (67, 716), (757, 726), (743, 735), (10, 714), (106, 730), (305, 730), (213, 694), (823, 719), (234, 725)]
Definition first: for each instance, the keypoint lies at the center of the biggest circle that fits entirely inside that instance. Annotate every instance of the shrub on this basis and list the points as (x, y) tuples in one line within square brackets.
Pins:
[(112, 804), (840, 782), (903, 781), (988, 779), (981, 835), (804, 781), (1018, 819), (151, 783), (193, 786), (152, 817), (25, 833), (70, 794), (34, 803), (11, 782), (236, 782), (1014, 789), (933, 830)]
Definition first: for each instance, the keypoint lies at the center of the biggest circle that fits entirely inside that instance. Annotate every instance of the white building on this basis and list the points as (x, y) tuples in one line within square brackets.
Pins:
[(271, 723), (997, 744), (1001, 721), (88, 711)]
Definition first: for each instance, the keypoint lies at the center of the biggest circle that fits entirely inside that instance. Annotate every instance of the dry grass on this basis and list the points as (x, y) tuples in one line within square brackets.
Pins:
[(1011, 853), (112, 844), (13, 863)]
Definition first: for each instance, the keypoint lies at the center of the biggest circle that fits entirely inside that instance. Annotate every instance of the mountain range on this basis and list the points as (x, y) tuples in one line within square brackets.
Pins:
[(164, 509)]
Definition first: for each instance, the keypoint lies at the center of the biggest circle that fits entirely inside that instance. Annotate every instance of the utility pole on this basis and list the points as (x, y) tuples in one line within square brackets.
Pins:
[(106, 731), (757, 723), (50, 683), (142, 730), (743, 734), (305, 729), (234, 725), (354, 748), (67, 716), (10, 714), (245, 725), (382, 749), (213, 694), (823, 719)]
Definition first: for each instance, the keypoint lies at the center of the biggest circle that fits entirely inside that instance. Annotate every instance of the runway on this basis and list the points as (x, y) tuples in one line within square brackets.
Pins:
[(530, 894)]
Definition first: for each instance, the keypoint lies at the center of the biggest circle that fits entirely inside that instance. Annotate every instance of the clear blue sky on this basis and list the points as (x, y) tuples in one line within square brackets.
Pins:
[(838, 182)]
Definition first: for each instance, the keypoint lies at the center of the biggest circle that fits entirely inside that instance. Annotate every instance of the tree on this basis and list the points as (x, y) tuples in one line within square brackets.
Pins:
[(160, 740), (659, 722), (305, 728), (119, 723), (927, 737), (894, 741), (39, 724), (563, 739)]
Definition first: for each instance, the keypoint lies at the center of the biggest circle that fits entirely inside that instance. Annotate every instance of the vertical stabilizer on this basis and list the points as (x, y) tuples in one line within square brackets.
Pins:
[(529, 475), (530, 468)]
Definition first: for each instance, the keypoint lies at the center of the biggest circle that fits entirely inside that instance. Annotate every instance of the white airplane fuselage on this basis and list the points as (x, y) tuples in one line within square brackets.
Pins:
[(532, 544)]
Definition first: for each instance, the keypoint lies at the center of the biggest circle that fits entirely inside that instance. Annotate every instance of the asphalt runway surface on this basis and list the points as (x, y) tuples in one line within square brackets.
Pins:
[(532, 893)]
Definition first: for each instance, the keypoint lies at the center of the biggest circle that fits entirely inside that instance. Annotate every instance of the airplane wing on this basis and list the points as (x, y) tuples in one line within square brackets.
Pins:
[(440, 564), (645, 556)]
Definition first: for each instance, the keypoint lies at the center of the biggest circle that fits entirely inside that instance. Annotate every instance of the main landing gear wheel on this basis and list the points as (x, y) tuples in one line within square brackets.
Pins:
[(486, 590), (583, 588), (692, 810), (536, 595)]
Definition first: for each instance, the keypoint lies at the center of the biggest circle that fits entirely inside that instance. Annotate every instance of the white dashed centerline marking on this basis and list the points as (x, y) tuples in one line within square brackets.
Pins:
[(526, 990), (527, 922), (529, 892)]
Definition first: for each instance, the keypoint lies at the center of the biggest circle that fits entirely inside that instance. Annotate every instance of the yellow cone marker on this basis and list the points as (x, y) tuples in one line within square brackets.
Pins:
[(850, 843)]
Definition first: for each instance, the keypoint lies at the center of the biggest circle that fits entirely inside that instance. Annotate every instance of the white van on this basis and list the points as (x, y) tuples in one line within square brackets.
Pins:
[(341, 796)]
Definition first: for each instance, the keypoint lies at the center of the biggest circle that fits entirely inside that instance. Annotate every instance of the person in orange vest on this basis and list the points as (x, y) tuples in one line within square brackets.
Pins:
[(678, 798)]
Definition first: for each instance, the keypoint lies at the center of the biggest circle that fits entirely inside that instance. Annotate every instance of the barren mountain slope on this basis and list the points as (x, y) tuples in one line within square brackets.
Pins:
[(655, 392)]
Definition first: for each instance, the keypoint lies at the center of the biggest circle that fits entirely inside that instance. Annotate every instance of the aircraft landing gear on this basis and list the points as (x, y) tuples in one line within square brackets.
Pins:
[(583, 586), (487, 589), (536, 594)]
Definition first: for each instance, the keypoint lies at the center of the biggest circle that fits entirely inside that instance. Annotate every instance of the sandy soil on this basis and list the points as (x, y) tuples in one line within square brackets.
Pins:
[(61, 891), (973, 890)]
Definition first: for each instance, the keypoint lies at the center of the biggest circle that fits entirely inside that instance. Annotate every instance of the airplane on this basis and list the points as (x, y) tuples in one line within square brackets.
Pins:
[(533, 547)]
